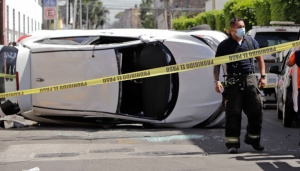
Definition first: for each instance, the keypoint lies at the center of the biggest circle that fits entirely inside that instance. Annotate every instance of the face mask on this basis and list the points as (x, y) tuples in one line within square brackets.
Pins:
[(240, 32)]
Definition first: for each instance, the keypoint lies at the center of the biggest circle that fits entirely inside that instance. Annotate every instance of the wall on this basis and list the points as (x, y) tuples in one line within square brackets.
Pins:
[(209, 5), (219, 4), (130, 18), (22, 17)]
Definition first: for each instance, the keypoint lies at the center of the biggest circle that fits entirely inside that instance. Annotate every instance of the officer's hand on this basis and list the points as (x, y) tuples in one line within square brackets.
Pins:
[(262, 83), (219, 87)]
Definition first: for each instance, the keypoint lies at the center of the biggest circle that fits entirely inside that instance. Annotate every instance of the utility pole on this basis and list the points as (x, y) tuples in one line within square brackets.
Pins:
[(80, 13)]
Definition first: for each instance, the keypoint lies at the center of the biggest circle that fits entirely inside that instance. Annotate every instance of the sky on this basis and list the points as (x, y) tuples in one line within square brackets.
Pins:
[(116, 6)]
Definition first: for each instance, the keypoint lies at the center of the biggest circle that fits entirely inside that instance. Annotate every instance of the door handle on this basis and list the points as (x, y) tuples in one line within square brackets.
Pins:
[(40, 80)]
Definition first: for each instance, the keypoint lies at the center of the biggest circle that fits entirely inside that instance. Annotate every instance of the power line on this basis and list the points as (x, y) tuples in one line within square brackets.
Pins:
[(171, 9)]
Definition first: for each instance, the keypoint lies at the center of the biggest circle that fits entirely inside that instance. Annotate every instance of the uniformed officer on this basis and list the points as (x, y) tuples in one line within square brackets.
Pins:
[(295, 59), (242, 92)]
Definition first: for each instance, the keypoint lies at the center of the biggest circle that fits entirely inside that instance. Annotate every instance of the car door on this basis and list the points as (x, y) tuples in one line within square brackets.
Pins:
[(283, 80), (61, 64)]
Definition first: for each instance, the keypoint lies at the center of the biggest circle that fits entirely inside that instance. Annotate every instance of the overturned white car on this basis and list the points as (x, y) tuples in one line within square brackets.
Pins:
[(183, 99)]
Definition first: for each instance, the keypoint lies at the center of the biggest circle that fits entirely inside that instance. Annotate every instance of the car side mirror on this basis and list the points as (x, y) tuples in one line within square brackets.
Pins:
[(274, 70)]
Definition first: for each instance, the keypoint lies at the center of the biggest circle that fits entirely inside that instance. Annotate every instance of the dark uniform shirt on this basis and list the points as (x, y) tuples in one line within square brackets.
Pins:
[(231, 46)]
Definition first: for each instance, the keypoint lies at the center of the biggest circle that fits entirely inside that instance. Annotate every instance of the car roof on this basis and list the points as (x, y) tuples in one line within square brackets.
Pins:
[(276, 28), (132, 33), (104, 32)]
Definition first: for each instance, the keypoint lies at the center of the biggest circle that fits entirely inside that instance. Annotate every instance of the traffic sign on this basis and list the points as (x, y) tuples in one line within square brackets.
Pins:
[(50, 13), (50, 3)]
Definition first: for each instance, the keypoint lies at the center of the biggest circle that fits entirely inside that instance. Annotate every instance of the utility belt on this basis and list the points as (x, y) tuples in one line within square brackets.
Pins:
[(236, 78)]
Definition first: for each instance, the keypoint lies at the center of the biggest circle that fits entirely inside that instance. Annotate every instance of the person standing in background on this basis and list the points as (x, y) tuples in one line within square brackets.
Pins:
[(11, 61)]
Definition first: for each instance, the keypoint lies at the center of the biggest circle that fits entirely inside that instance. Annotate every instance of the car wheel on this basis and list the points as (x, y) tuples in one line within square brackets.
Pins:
[(279, 112), (148, 126), (287, 114)]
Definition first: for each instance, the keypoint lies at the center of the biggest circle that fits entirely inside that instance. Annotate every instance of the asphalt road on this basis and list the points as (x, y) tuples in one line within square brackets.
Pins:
[(52, 148)]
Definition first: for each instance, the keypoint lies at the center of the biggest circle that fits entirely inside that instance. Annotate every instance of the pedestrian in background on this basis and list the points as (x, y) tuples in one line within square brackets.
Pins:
[(3, 71), (11, 61), (243, 92)]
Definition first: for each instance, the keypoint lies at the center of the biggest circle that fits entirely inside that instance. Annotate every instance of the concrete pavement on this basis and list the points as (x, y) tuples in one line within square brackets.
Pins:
[(134, 148)]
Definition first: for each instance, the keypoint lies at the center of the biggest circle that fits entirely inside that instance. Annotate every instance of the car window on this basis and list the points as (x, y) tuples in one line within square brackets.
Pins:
[(266, 39), (64, 40), (61, 42), (112, 40), (285, 60)]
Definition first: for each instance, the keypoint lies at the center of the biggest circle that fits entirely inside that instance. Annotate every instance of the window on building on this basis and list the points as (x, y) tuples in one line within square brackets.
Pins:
[(31, 24), (28, 25), (14, 28), (19, 22), (35, 25), (24, 21), (7, 22), (40, 2)]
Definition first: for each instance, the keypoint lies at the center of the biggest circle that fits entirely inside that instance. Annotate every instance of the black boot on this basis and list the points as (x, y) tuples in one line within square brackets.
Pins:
[(232, 150), (256, 145)]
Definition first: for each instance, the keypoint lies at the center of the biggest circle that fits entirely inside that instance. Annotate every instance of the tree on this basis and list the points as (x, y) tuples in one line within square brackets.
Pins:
[(97, 14), (147, 19), (285, 10), (119, 15), (117, 24)]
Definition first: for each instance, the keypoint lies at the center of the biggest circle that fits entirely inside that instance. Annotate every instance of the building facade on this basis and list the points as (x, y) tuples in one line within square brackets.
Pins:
[(22, 17), (214, 5), (130, 18), (166, 10)]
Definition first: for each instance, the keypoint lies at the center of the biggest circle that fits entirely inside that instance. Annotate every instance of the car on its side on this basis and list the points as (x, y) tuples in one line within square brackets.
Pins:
[(184, 99), (284, 91)]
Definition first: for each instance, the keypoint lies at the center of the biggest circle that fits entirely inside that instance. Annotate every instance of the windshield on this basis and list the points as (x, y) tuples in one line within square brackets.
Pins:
[(266, 39)]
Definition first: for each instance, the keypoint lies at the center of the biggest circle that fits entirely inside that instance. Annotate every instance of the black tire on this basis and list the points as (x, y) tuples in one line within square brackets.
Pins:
[(287, 115), (148, 126), (279, 112)]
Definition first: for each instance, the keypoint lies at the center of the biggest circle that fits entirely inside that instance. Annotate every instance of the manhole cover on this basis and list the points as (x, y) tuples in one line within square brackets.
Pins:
[(56, 155), (167, 153), (122, 150)]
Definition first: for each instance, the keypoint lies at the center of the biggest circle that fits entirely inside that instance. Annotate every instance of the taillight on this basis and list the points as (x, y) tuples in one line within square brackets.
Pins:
[(23, 37), (17, 80)]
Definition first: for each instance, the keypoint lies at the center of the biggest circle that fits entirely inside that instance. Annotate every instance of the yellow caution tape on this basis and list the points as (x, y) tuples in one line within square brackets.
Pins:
[(7, 75), (160, 71)]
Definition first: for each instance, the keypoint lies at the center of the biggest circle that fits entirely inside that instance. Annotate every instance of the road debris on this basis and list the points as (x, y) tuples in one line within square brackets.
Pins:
[(16, 121), (33, 169)]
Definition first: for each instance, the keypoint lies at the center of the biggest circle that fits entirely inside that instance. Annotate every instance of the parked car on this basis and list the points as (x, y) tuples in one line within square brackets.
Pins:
[(183, 99), (284, 91), (266, 36)]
